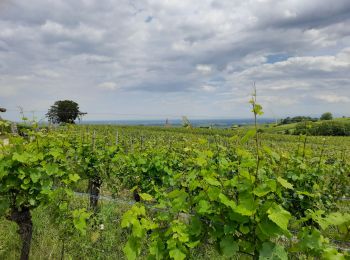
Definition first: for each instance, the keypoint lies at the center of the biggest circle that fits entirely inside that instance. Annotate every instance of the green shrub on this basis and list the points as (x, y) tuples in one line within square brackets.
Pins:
[(326, 116), (303, 128), (331, 128), (4, 127), (326, 128), (296, 119)]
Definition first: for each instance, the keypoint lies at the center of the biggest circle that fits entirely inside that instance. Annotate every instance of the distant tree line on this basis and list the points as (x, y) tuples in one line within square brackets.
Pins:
[(326, 128), (297, 119)]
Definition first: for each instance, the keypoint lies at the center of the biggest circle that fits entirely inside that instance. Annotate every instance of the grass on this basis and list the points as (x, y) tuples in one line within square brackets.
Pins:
[(106, 243), (98, 243)]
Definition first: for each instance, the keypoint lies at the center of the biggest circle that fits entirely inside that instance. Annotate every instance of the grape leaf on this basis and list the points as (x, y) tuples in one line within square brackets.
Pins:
[(280, 216), (285, 183), (228, 246), (176, 254), (146, 196), (270, 251)]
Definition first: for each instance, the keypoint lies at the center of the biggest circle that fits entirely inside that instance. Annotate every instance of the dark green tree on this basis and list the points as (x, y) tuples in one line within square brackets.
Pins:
[(64, 111), (326, 116)]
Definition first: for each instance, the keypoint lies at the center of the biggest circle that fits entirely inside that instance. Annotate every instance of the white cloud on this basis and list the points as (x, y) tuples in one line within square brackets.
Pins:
[(7, 91), (203, 68), (78, 32), (189, 50), (208, 88), (47, 73), (305, 70), (332, 98), (254, 59), (108, 85), (24, 77)]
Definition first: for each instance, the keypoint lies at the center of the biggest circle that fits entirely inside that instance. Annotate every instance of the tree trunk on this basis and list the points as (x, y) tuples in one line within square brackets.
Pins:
[(23, 219), (94, 191)]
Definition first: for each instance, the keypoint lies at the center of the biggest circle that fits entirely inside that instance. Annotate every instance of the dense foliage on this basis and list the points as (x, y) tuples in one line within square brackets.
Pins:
[(325, 128), (29, 169), (297, 119), (239, 193), (326, 116), (64, 111)]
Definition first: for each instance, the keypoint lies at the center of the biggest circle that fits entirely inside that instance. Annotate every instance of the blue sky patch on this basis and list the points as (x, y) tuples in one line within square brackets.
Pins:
[(277, 57), (149, 19)]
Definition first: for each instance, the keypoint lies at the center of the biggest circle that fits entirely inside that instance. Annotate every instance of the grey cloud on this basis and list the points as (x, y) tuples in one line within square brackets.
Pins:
[(155, 46), (302, 14)]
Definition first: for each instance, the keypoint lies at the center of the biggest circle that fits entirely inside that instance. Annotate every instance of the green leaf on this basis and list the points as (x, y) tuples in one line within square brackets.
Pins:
[(137, 229), (177, 254), (146, 197), (244, 229), (212, 181), (74, 177), (80, 217), (337, 218), (23, 158), (273, 154), (226, 201), (311, 240), (193, 244), (156, 249), (306, 193), (196, 226), (248, 136), (203, 207), (268, 229), (279, 216), (332, 254), (229, 246), (265, 188), (201, 161), (333, 219), (270, 251), (175, 193), (213, 193), (35, 175), (56, 152), (247, 204), (262, 190), (181, 231), (131, 249), (131, 215), (179, 199), (51, 169), (285, 183), (4, 205)]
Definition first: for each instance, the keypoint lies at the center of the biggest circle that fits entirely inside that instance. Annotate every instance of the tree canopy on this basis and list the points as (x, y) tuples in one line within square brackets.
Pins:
[(296, 119), (64, 111), (326, 116)]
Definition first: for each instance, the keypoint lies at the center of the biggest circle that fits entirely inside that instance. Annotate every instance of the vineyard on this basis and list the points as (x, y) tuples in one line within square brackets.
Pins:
[(112, 192)]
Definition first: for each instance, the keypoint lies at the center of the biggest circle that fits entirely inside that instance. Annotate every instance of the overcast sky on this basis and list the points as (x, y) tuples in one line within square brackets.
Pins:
[(167, 58)]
